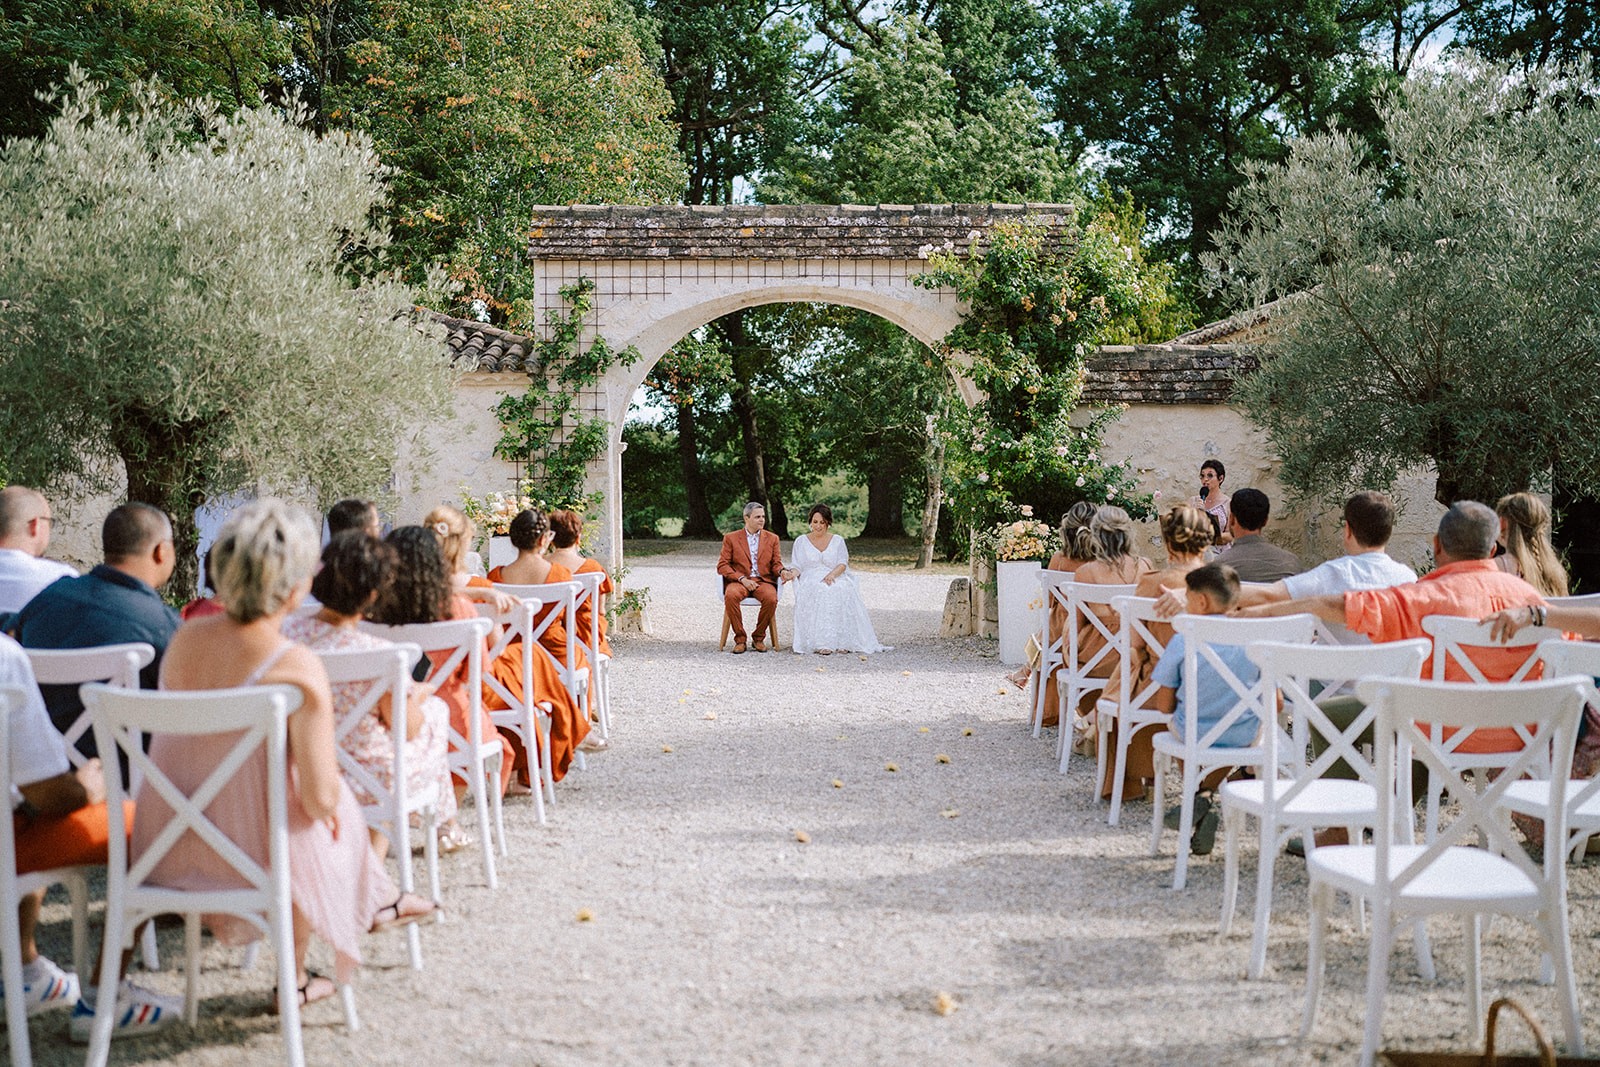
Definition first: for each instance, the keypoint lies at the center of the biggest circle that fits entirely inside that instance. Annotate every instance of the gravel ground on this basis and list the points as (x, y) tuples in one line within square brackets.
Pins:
[(758, 886)]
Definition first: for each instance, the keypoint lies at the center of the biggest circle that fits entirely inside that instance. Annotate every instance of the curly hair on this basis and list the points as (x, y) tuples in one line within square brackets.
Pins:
[(263, 551), (1527, 523), (456, 533), (567, 526), (528, 529), (1077, 541), (421, 589), (1112, 532), (354, 566), (1187, 530)]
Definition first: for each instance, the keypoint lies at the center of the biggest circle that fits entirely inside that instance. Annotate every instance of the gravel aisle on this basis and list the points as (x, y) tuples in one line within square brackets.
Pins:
[(719, 937)]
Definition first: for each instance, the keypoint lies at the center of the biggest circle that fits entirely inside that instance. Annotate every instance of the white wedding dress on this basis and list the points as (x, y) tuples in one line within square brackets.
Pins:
[(829, 616)]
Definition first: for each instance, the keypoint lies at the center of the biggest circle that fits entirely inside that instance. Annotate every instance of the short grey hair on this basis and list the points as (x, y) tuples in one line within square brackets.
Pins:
[(263, 551), (19, 506), (1468, 530), (753, 505)]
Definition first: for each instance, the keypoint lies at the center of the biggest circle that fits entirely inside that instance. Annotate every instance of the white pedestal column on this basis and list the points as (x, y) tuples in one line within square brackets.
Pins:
[(1017, 583)]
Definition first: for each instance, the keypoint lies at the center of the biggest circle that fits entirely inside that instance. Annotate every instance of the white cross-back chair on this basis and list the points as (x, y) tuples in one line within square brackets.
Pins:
[(1405, 882), (599, 662), (116, 665), (576, 679), (14, 887), (1200, 752), (1580, 600), (1133, 711), (1532, 796), (1452, 637), (747, 602), (1052, 649), (475, 757), (524, 715), (1297, 798), (381, 673), (256, 721), (1079, 668)]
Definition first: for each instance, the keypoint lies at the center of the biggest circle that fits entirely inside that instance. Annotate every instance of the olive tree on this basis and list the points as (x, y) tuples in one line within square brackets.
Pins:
[(1443, 300), (180, 304)]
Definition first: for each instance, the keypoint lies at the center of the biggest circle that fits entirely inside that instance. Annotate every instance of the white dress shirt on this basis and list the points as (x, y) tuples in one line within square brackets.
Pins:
[(23, 576)]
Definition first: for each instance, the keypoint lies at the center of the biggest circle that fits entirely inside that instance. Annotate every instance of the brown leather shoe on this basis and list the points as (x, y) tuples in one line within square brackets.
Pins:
[(758, 646), (738, 648)]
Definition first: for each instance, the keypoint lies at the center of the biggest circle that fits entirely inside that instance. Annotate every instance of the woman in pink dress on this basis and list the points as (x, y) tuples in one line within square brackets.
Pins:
[(356, 569), (338, 886)]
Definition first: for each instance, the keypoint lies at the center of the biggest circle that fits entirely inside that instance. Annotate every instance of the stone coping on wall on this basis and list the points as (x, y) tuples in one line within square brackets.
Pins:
[(801, 231), (1116, 374)]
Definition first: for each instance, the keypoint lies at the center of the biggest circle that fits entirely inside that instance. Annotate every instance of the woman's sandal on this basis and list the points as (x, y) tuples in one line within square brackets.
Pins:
[(391, 917), (316, 987), (453, 837)]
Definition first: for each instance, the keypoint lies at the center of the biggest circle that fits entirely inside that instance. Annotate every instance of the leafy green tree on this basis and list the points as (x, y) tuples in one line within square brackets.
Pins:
[(179, 311), (485, 111), (1531, 32), (225, 50), (1444, 306), (692, 380)]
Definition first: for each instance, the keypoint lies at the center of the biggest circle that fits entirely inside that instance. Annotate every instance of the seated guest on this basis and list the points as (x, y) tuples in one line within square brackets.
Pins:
[(1212, 590), (1111, 540), (355, 571), (337, 884), (1369, 519), (353, 513), (201, 606), (1466, 583), (1525, 536), (1186, 533), (114, 603), (59, 821), (531, 536), (421, 592), (1075, 551), (566, 530), (1252, 556), (25, 527)]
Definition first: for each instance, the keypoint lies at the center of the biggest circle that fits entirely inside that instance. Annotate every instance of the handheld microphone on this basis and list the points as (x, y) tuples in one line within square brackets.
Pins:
[(1205, 491)]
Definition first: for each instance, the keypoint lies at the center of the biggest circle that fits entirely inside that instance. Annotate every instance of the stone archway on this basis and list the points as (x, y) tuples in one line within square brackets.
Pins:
[(661, 272)]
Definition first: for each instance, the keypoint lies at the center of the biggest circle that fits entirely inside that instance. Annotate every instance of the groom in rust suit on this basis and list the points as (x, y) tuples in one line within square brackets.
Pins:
[(750, 565)]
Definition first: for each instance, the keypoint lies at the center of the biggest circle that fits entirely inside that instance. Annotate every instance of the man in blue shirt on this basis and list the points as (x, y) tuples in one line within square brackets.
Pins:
[(114, 603)]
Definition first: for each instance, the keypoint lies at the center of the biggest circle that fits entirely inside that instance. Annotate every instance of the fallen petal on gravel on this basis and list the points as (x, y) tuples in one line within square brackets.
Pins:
[(941, 758), (802, 837), (944, 1003)]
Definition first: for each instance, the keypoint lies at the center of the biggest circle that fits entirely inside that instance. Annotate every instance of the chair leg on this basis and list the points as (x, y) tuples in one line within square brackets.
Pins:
[(1119, 776), (1231, 818), (1102, 754), (1036, 680), (1559, 945), (347, 995), (147, 948), (1191, 783), (1377, 984), (495, 807), (1317, 934), (78, 895), (478, 785), (191, 967), (535, 756), (11, 974), (105, 1005), (1472, 928), (1158, 802), (772, 631), (1424, 950), (252, 954), (288, 994), (430, 856), (1266, 863), (727, 624)]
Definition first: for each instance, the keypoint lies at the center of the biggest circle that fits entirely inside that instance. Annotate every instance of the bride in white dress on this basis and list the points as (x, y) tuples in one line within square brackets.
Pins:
[(828, 613)]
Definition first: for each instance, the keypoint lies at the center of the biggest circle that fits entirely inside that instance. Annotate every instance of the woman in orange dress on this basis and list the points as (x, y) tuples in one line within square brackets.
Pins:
[(567, 530), (1186, 531), (421, 592), (569, 727), (1076, 550)]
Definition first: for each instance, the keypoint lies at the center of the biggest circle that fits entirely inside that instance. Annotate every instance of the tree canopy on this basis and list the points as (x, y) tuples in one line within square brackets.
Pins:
[(1441, 301), (181, 308)]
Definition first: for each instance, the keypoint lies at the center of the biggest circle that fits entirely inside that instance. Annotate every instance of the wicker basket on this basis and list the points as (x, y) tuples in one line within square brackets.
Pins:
[(1488, 1058)]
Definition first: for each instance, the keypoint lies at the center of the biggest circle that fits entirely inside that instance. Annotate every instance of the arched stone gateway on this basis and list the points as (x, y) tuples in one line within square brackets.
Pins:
[(661, 272)]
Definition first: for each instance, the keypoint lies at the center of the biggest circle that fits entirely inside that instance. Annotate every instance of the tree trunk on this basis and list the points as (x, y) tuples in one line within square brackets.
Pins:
[(930, 507), (777, 517), (700, 522), (744, 407), (885, 504), (155, 455)]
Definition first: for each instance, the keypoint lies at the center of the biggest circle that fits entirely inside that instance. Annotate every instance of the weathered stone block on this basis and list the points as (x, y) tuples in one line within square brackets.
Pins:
[(957, 609)]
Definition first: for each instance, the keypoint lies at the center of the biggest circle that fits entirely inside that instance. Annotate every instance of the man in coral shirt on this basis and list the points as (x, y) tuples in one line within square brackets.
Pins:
[(1465, 583), (751, 564)]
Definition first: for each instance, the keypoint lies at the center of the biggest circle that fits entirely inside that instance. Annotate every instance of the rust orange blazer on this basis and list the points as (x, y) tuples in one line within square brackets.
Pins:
[(734, 563)]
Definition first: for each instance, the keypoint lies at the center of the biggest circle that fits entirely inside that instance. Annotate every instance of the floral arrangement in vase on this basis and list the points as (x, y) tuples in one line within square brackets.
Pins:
[(1023, 538), (492, 514)]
